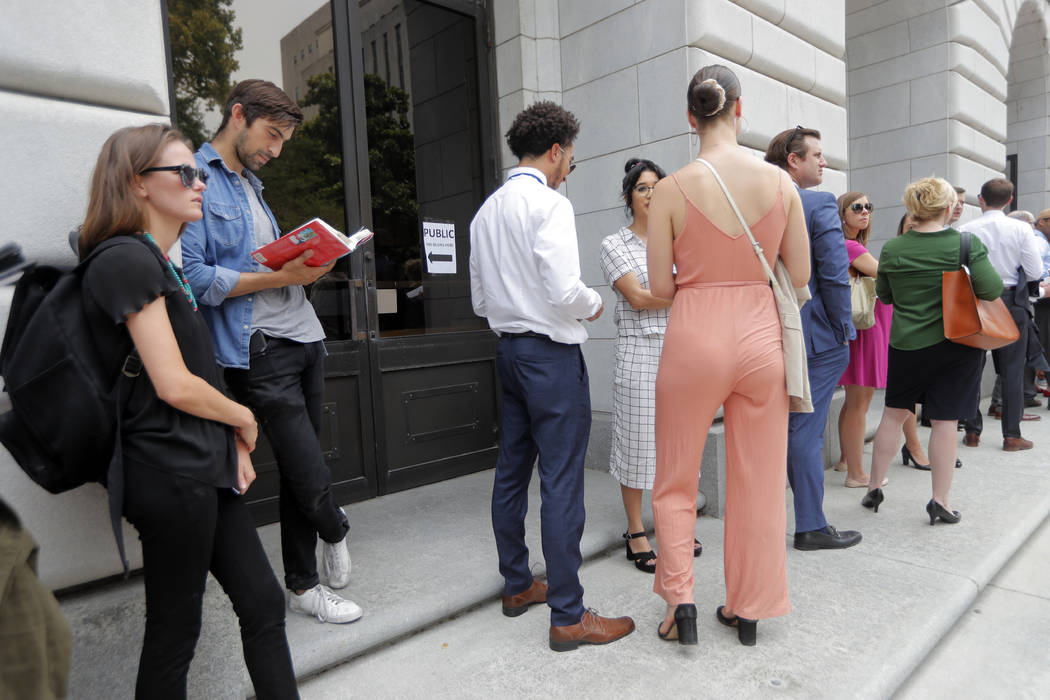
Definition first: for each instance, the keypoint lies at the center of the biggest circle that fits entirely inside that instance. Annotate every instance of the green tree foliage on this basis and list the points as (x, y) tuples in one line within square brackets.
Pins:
[(204, 41), (307, 179)]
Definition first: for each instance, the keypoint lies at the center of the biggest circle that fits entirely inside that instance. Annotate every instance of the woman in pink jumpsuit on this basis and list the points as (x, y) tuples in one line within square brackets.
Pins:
[(722, 347)]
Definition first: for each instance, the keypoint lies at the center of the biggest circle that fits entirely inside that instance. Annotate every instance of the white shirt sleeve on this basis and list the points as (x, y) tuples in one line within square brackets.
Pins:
[(1031, 261), (477, 291), (558, 260)]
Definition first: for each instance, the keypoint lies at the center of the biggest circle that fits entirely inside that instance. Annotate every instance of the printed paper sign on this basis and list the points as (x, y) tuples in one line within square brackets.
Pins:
[(439, 247)]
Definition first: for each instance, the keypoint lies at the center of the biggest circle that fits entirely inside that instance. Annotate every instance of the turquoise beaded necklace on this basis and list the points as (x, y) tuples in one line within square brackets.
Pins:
[(180, 278)]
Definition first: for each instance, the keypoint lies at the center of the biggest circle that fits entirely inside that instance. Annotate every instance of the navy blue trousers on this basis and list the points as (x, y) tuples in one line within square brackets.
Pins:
[(806, 439), (546, 412)]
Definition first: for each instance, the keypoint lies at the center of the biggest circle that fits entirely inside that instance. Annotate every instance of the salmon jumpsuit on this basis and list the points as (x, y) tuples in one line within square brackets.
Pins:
[(723, 346)]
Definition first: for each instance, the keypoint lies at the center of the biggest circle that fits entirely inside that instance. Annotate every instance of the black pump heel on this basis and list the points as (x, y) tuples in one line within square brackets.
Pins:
[(872, 499), (906, 457), (641, 559), (684, 627), (746, 630), (938, 512)]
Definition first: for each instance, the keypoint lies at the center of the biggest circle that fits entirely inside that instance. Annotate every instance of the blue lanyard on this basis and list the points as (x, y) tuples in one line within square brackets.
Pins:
[(534, 177)]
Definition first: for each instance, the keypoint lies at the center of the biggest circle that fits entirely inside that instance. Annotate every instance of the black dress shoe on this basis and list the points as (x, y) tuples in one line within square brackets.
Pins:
[(828, 538)]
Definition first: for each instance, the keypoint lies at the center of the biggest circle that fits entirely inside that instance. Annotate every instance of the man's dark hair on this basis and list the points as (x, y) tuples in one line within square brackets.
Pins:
[(997, 193), (539, 127), (261, 98), (789, 141)]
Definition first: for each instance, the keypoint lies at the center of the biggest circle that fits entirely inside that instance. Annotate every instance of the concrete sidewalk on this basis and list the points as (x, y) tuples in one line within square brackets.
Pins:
[(425, 573)]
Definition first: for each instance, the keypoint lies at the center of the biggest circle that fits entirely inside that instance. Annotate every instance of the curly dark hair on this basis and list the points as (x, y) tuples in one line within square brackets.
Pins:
[(539, 127), (633, 170)]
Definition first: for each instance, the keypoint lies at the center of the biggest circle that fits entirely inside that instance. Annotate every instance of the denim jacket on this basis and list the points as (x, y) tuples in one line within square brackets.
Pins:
[(216, 250)]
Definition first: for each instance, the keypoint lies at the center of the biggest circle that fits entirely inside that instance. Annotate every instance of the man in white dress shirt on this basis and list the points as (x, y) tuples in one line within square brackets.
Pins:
[(1010, 246), (525, 279)]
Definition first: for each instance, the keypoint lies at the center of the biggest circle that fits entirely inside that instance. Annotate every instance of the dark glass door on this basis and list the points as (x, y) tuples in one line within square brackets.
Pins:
[(422, 73)]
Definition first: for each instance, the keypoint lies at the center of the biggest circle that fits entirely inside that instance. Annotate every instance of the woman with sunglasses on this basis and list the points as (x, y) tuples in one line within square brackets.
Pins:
[(641, 320), (185, 444), (923, 365), (867, 353)]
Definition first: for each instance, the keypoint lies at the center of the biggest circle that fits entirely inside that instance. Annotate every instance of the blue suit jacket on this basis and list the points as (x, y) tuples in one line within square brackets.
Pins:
[(826, 319)]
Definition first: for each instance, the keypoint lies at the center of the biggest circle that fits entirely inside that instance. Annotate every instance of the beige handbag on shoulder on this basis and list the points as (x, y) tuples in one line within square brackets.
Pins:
[(789, 300)]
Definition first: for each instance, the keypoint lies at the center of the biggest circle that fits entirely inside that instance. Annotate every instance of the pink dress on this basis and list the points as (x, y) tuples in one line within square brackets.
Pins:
[(868, 353)]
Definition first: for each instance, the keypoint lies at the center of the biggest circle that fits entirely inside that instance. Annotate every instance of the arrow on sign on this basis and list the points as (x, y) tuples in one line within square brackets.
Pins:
[(438, 258)]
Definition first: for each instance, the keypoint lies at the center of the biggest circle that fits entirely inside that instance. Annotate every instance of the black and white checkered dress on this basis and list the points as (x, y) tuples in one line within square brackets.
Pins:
[(639, 339)]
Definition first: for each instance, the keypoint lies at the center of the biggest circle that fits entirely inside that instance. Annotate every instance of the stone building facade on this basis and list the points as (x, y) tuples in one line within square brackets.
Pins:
[(899, 88)]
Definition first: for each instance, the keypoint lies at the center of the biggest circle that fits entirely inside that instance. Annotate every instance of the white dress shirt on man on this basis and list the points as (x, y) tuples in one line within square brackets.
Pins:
[(1009, 243), (525, 261)]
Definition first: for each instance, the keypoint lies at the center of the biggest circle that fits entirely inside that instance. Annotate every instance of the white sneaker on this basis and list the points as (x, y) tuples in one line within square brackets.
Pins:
[(321, 602), (337, 561)]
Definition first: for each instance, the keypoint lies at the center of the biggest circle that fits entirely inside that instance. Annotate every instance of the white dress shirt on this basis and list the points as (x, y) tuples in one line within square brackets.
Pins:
[(1009, 243), (525, 261)]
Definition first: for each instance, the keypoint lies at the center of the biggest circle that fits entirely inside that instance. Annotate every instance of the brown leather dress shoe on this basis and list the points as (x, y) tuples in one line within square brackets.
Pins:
[(514, 605), (1013, 444), (971, 439), (1030, 416), (591, 629)]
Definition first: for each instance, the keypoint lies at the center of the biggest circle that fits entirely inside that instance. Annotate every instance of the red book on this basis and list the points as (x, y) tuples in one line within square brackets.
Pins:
[(316, 235)]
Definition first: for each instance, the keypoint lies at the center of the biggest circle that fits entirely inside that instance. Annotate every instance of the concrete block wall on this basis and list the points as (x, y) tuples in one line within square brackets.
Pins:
[(65, 86), (928, 95), (1027, 115)]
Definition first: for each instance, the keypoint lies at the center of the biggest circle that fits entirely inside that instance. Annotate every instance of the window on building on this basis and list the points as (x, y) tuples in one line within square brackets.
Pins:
[(386, 55), (375, 60), (400, 58)]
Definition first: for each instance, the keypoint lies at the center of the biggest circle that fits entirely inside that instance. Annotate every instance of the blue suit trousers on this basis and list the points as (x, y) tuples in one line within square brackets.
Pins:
[(546, 412), (806, 439)]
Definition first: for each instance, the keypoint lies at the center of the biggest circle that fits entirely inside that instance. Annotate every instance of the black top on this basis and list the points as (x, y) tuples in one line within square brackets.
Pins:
[(122, 280)]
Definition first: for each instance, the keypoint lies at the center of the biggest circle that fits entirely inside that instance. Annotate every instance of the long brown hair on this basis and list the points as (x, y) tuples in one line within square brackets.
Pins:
[(113, 209), (844, 203)]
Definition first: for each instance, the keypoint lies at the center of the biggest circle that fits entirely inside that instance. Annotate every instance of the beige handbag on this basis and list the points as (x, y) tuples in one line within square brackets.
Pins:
[(789, 299), (862, 301)]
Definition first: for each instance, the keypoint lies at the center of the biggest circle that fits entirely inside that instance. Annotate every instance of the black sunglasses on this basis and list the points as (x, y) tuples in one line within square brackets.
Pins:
[(857, 207), (787, 144), (187, 173)]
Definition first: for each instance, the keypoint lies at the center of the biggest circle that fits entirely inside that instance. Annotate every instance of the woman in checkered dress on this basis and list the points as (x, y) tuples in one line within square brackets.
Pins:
[(641, 320)]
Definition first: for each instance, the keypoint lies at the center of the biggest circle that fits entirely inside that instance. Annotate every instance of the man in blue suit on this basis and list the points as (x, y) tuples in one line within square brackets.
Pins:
[(827, 327)]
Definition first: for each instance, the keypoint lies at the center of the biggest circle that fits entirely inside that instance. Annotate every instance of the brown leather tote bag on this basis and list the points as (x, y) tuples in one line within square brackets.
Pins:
[(978, 323)]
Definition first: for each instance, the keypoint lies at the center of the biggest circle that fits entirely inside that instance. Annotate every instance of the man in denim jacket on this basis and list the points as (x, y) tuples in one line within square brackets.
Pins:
[(268, 338)]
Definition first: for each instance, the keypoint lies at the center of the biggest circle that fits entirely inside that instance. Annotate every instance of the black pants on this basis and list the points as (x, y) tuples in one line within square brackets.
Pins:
[(284, 386), (1009, 361), (187, 529)]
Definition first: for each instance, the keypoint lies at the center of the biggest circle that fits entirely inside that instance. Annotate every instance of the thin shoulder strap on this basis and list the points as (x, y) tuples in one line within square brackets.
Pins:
[(747, 229), (964, 249)]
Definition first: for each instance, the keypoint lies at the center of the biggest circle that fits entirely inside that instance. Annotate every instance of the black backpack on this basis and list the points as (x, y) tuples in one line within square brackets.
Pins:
[(63, 427)]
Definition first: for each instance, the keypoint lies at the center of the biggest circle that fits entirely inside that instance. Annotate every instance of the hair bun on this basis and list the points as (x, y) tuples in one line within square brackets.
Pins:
[(631, 163)]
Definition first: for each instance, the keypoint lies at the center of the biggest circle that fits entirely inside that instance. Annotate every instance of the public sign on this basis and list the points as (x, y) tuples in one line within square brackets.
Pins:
[(439, 247)]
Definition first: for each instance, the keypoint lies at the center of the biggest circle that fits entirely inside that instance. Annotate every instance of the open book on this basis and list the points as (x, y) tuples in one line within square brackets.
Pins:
[(316, 235)]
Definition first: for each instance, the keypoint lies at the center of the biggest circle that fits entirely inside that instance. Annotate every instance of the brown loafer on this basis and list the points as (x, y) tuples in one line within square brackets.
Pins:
[(1031, 416), (591, 629), (514, 605), (971, 439), (1013, 444)]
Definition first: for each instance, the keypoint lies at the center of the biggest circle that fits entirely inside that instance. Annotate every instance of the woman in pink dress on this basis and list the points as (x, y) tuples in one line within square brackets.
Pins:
[(866, 371)]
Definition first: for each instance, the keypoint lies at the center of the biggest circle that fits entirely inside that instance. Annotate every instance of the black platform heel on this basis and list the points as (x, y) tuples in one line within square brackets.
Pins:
[(906, 457), (684, 627), (641, 559), (746, 630), (938, 512), (872, 499)]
